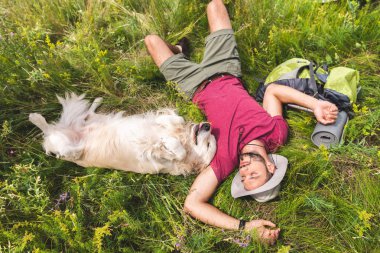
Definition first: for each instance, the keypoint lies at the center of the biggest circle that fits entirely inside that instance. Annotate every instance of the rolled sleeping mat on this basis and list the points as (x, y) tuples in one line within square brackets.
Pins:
[(330, 135)]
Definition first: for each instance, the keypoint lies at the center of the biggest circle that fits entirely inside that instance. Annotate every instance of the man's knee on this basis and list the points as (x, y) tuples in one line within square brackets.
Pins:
[(151, 40), (218, 16), (214, 6)]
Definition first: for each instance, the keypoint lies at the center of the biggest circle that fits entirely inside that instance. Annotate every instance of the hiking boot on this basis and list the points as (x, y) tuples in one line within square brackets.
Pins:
[(184, 43)]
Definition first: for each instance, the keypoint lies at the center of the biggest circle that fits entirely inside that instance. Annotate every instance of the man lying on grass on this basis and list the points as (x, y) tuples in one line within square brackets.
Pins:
[(245, 131)]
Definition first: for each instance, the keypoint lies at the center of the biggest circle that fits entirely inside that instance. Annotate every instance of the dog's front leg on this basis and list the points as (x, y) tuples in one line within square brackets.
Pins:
[(170, 121)]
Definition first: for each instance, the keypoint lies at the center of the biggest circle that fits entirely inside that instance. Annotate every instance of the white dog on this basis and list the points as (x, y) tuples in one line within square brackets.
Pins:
[(153, 142)]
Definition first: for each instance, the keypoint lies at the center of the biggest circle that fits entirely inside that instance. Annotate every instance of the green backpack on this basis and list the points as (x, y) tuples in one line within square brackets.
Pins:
[(339, 85)]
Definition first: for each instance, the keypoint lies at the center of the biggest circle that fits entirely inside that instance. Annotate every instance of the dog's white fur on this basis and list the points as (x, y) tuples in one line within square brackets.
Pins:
[(153, 142)]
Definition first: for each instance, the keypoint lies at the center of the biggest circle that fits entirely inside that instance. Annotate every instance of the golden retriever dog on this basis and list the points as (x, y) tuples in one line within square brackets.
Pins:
[(153, 142)]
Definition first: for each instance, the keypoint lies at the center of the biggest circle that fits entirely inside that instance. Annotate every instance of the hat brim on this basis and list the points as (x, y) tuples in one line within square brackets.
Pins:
[(238, 190)]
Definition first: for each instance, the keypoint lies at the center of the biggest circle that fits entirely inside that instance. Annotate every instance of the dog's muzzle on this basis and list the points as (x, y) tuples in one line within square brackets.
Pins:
[(201, 127)]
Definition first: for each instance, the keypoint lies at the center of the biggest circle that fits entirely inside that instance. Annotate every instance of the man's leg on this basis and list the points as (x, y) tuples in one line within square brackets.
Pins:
[(174, 64), (221, 55), (159, 49), (217, 16)]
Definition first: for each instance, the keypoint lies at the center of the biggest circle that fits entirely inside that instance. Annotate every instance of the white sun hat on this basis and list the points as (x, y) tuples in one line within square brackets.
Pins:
[(267, 191)]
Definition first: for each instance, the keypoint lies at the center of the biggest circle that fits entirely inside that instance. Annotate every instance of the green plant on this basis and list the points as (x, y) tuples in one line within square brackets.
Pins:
[(330, 199)]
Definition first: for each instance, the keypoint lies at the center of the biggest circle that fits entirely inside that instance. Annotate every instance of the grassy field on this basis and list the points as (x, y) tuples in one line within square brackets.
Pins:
[(330, 200)]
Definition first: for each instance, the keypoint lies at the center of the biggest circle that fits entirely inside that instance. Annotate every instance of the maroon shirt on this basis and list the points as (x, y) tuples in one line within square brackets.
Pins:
[(237, 119)]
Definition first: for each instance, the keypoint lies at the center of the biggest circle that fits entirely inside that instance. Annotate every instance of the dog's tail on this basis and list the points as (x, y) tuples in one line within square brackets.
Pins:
[(75, 109)]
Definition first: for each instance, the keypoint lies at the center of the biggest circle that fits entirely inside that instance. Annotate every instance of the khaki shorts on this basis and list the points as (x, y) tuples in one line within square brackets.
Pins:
[(220, 56)]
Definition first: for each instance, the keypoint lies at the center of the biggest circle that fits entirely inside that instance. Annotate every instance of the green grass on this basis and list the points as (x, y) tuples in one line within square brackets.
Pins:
[(330, 199)]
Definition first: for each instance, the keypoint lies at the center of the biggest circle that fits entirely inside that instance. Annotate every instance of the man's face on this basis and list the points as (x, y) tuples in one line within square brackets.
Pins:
[(252, 170)]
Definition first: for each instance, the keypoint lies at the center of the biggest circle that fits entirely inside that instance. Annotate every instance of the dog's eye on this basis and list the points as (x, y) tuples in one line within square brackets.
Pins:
[(208, 144)]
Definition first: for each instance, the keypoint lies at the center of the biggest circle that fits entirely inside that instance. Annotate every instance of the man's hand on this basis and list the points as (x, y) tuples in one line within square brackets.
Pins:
[(266, 235), (325, 112)]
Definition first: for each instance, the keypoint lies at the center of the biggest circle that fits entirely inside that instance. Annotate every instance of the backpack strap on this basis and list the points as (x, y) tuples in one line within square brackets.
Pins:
[(312, 82), (322, 77), (295, 73), (300, 70)]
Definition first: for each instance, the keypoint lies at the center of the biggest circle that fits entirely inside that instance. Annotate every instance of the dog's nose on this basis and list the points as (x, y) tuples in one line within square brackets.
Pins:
[(206, 126)]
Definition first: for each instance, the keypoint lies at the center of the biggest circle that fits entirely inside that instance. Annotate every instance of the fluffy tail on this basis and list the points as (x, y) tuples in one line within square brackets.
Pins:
[(76, 109)]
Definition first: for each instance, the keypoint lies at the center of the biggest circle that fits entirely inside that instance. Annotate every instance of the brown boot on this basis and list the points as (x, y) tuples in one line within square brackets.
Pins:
[(184, 43)]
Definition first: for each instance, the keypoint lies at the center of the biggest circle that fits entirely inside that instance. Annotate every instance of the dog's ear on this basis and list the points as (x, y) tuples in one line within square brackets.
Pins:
[(169, 148), (38, 120)]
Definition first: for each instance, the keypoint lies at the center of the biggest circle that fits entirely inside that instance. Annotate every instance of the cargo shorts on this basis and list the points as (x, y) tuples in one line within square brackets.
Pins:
[(220, 57)]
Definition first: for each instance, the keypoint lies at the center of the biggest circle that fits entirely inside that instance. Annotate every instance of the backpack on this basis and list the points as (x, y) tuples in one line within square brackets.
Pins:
[(339, 85)]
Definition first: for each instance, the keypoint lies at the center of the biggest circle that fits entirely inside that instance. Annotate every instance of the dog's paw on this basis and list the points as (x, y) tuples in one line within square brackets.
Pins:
[(166, 111), (72, 156), (169, 121)]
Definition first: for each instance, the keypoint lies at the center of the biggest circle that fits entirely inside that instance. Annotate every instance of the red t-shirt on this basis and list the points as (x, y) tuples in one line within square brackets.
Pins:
[(237, 119)]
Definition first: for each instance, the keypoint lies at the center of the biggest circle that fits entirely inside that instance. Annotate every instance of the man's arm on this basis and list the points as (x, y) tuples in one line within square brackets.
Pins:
[(196, 204), (276, 95)]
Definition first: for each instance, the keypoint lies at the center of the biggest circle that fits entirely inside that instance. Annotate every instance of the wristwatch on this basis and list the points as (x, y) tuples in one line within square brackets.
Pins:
[(242, 224)]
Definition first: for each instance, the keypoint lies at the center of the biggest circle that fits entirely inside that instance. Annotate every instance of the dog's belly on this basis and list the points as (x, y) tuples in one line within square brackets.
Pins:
[(125, 163), (121, 164), (124, 146)]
